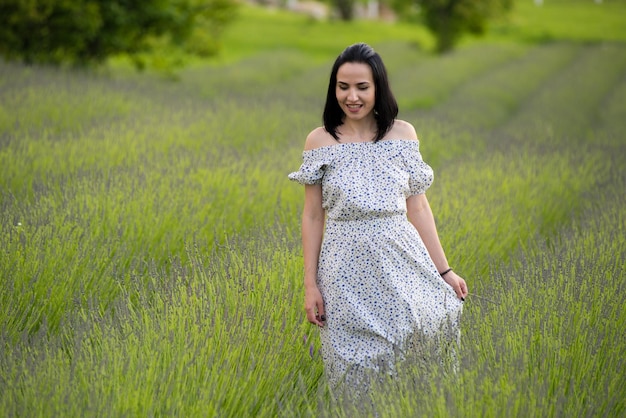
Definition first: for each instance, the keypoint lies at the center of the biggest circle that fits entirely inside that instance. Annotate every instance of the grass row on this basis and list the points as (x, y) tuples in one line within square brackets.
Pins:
[(150, 239)]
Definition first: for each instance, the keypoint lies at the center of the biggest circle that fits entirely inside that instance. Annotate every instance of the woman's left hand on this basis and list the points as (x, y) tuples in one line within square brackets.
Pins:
[(457, 283)]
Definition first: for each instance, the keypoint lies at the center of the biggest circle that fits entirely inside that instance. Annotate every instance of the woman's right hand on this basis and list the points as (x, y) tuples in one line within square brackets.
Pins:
[(314, 306)]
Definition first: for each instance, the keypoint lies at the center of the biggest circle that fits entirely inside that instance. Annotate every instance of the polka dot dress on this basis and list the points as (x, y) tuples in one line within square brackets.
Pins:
[(381, 290)]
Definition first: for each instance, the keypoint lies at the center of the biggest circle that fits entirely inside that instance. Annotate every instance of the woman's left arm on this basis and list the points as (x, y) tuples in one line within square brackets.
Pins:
[(421, 216)]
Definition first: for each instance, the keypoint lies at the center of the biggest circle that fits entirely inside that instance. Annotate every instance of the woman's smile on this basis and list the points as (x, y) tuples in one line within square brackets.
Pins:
[(355, 90)]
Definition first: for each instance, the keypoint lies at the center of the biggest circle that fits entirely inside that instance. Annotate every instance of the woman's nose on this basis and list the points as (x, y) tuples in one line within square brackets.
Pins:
[(352, 95)]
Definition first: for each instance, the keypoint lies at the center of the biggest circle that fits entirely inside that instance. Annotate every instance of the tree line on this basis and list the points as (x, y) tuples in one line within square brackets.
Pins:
[(87, 32), (82, 32)]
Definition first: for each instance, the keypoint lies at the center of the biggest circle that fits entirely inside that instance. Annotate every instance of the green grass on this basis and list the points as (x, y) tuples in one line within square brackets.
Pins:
[(318, 39), (577, 20), (258, 30), (151, 260)]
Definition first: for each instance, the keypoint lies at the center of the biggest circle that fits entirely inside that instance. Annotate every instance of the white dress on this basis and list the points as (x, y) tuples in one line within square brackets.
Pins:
[(381, 289)]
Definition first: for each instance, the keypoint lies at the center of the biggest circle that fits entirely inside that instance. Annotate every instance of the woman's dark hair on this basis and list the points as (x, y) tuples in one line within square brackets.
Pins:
[(385, 106)]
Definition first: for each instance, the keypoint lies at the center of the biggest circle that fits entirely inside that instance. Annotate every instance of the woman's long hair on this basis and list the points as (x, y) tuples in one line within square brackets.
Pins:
[(385, 105)]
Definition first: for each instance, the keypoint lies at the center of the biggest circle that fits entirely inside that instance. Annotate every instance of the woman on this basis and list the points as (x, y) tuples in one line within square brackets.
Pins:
[(375, 275)]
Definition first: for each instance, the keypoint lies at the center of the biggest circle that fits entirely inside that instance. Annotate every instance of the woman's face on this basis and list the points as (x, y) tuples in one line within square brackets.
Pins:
[(355, 90)]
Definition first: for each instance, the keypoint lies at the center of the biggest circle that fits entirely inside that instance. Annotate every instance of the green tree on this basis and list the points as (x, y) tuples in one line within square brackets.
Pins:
[(345, 8), (83, 32), (448, 20)]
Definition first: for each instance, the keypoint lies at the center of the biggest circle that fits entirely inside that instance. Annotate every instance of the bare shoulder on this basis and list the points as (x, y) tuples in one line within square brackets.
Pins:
[(402, 130), (318, 138)]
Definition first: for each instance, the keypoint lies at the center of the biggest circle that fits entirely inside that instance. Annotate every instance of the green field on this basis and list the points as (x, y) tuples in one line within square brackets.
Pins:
[(151, 261)]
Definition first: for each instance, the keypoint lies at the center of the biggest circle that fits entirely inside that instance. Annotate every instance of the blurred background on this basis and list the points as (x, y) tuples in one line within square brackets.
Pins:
[(169, 33)]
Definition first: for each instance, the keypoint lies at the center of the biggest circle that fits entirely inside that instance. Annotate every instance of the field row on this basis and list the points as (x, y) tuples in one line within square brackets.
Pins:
[(151, 259)]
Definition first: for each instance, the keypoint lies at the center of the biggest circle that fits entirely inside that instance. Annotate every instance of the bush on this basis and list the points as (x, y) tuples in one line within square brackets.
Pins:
[(84, 32), (448, 20)]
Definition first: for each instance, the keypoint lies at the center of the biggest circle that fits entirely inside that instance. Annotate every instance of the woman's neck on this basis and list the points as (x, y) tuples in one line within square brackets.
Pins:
[(357, 131)]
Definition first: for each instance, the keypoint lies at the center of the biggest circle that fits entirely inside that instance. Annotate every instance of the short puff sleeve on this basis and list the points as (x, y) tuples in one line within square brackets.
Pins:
[(313, 167), (420, 174)]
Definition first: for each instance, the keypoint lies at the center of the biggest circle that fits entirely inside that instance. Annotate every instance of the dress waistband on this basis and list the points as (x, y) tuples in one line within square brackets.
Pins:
[(382, 217)]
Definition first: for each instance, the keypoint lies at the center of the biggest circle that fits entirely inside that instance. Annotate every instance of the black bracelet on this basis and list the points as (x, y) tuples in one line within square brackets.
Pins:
[(445, 272)]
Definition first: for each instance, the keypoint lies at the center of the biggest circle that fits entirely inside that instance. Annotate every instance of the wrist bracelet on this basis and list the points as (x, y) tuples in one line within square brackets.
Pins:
[(445, 272)]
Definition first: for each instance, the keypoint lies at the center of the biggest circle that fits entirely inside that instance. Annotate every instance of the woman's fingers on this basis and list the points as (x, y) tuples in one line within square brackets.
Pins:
[(458, 285), (316, 317), (320, 316), (462, 292), (314, 307), (459, 292)]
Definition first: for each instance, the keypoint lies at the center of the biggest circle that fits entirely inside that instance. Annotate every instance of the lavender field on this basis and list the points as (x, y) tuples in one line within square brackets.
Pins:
[(150, 241)]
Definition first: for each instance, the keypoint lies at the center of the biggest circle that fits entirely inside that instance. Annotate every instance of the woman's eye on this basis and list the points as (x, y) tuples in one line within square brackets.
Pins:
[(361, 88)]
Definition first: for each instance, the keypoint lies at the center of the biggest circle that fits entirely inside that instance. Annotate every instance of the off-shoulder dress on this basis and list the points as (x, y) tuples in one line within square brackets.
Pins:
[(381, 289)]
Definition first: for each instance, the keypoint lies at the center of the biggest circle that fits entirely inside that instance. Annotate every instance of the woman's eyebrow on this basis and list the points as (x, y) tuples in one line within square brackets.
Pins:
[(360, 83)]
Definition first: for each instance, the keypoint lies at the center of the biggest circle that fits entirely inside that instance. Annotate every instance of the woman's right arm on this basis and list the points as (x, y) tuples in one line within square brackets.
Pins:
[(312, 233)]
